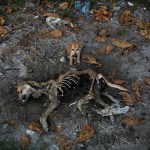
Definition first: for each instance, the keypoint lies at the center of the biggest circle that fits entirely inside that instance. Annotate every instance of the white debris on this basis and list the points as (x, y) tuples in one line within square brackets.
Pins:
[(36, 17), (63, 59), (130, 4), (114, 109), (30, 132)]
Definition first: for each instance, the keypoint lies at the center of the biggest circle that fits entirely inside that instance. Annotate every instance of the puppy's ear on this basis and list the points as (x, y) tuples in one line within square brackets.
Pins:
[(81, 45)]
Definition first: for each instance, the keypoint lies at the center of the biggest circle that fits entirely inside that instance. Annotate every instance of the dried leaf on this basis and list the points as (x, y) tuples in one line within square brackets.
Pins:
[(102, 14), (121, 44), (35, 127), (126, 18), (127, 50), (147, 81), (112, 74), (3, 31), (101, 38), (142, 24), (105, 50), (127, 98), (145, 33), (49, 5), (51, 34), (2, 21), (63, 5), (118, 81), (75, 27), (103, 32), (24, 141), (51, 15), (8, 10), (86, 133), (131, 121), (88, 58), (136, 88)]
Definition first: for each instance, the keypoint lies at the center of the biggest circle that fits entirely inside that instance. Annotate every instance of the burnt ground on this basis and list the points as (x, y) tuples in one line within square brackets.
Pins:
[(25, 55)]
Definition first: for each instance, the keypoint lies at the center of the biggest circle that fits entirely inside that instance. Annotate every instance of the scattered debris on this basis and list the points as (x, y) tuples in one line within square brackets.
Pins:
[(102, 14), (102, 36), (51, 15), (130, 4), (132, 121), (136, 88), (51, 34), (63, 59), (63, 5), (24, 141)]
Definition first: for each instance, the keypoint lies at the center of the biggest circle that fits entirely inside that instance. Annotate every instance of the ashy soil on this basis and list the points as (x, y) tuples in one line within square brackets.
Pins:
[(26, 55)]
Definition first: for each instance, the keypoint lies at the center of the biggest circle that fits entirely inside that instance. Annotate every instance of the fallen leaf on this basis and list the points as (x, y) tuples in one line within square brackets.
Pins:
[(126, 18), (75, 27), (8, 10), (86, 133), (24, 141), (142, 24), (63, 5), (127, 98), (51, 15), (51, 34), (136, 88), (49, 5), (88, 58), (2, 21), (121, 44), (145, 33), (105, 50), (103, 32), (112, 74), (102, 14), (127, 50), (35, 127), (102, 36), (118, 81), (3, 31), (131, 121), (147, 81)]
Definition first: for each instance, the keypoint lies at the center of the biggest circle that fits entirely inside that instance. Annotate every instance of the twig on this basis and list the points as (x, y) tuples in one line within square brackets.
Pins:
[(113, 134)]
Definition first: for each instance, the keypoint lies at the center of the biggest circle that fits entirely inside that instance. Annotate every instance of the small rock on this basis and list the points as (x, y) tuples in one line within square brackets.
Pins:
[(130, 4), (30, 132), (63, 59)]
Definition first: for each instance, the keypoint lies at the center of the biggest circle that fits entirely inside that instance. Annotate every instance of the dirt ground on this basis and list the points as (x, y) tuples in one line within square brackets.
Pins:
[(26, 55)]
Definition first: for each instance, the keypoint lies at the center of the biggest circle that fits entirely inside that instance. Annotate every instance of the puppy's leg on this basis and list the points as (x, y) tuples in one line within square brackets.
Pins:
[(71, 60), (51, 107)]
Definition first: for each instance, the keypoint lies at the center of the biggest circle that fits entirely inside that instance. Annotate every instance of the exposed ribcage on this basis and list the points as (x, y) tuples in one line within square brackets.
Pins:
[(70, 82)]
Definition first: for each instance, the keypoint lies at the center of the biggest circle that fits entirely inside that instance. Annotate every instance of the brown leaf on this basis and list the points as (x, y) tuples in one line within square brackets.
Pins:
[(118, 81), (51, 34), (127, 50), (51, 15), (63, 5), (147, 81), (112, 74), (127, 98), (105, 50), (8, 10), (3, 31), (136, 88), (86, 133), (131, 121), (142, 24), (88, 58), (101, 38), (24, 141), (49, 5), (126, 18), (35, 127), (145, 33), (102, 14), (2, 21), (121, 44), (75, 27)]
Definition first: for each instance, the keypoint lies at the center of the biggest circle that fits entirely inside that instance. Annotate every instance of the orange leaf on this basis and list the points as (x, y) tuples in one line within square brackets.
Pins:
[(24, 141), (86, 133), (127, 98), (3, 31), (105, 50), (121, 44), (131, 121), (8, 10), (2, 21), (118, 81), (51, 15), (90, 59), (35, 127), (63, 5)]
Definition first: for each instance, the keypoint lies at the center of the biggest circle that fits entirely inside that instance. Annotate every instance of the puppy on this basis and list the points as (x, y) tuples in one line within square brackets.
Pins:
[(74, 52)]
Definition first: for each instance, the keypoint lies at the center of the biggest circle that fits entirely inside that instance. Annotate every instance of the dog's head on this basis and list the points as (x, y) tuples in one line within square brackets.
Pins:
[(24, 91)]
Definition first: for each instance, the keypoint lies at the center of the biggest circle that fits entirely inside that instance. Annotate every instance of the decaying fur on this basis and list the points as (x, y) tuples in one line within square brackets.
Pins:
[(53, 88)]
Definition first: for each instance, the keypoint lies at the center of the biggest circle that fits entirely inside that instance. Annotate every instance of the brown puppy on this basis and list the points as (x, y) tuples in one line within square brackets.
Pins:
[(74, 52)]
